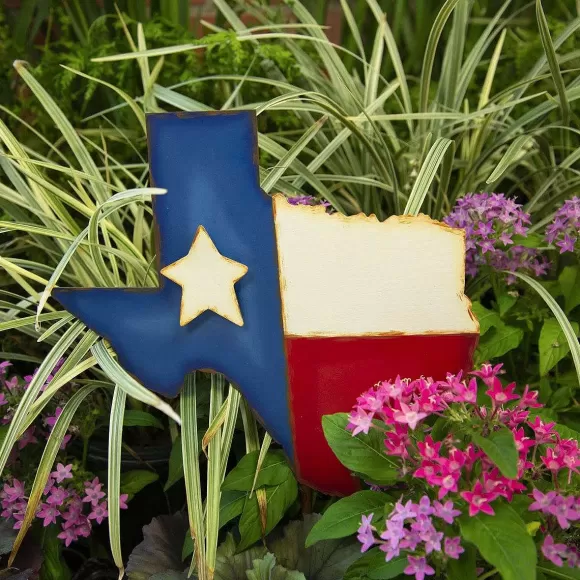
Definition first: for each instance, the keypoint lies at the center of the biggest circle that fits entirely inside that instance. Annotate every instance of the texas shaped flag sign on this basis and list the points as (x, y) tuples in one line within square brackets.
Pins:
[(301, 309)]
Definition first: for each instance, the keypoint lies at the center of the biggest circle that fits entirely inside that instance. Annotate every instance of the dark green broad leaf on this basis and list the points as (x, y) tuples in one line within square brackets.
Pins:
[(364, 454), (465, 568), (487, 318), (506, 301), (498, 341), (563, 573), (326, 560), (267, 569), (503, 541), (343, 517), (134, 481), (500, 447), (372, 566), (135, 418), (570, 286), (278, 499), (175, 464), (552, 344), (274, 471), (232, 565), (160, 551), (53, 564), (231, 505)]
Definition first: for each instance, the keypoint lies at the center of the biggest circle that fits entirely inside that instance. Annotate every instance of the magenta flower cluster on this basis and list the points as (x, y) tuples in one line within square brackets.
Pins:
[(62, 504), (490, 221), (462, 474), (307, 200), (565, 229), (413, 527), (11, 391)]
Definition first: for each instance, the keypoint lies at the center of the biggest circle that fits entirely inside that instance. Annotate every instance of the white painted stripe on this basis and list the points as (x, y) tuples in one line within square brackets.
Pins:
[(353, 276)]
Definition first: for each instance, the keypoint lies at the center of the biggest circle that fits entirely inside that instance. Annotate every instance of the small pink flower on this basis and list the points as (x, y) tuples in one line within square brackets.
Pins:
[(14, 492), (99, 512), (93, 492), (50, 421), (419, 567), (48, 514), (428, 448), (360, 421), (69, 536), (553, 461), (453, 548), (488, 373), (478, 500), (365, 533), (445, 511), (27, 438), (553, 552), (409, 415), (403, 512), (501, 395), (62, 472), (3, 400), (544, 432), (57, 496), (123, 501), (543, 501)]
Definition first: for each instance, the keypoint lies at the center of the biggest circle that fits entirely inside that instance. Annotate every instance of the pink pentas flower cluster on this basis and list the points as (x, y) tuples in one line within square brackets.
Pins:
[(62, 504), (456, 472), (564, 230), (490, 221), (415, 529)]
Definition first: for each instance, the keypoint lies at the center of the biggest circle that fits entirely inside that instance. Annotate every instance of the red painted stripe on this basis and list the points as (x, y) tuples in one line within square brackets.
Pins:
[(328, 374)]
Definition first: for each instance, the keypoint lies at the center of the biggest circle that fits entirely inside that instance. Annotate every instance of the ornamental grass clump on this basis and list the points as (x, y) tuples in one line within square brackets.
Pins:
[(470, 449)]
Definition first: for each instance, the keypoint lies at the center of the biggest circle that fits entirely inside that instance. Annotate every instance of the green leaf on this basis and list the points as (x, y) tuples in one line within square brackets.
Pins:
[(552, 344), (278, 499), (529, 240), (372, 566), (465, 568), (343, 517), (513, 152), (553, 62), (134, 418), (563, 573), (266, 569), (500, 447), (175, 464), (134, 481), (160, 551), (505, 302), (231, 505), (500, 340), (571, 335), (326, 560), (569, 280), (231, 565), (503, 541), (487, 318), (274, 471), (53, 565), (363, 454)]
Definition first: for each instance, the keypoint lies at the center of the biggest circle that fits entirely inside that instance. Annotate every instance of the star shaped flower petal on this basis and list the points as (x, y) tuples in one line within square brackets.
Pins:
[(207, 279)]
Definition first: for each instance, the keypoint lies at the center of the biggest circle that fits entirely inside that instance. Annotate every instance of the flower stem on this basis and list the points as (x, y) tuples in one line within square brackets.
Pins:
[(487, 574)]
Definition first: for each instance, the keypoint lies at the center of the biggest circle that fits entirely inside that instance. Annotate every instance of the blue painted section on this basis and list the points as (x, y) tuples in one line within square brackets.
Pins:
[(208, 164)]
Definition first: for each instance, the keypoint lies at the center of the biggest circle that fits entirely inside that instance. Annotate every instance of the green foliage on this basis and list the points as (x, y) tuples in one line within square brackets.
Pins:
[(363, 454), (503, 540), (500, 447), (343, 518)]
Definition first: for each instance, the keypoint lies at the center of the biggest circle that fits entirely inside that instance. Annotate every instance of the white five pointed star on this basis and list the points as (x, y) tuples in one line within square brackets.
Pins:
[(207, 280)]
